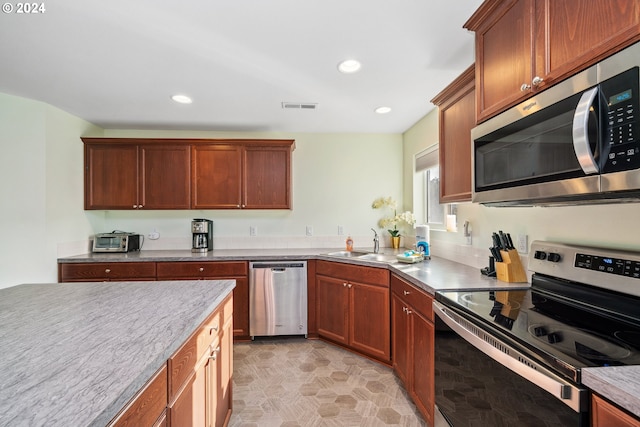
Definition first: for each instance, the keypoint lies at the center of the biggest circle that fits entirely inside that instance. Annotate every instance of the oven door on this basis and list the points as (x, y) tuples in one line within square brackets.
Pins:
[(482, 381)]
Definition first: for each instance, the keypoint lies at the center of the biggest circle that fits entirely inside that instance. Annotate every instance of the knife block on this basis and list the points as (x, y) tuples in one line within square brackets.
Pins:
[(510, 269)]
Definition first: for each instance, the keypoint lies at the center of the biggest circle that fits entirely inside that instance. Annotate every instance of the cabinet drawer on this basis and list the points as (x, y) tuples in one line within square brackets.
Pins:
[(107, 271), (417, 298), (147, 407), (182, 363), (196, 269), (357, 273)]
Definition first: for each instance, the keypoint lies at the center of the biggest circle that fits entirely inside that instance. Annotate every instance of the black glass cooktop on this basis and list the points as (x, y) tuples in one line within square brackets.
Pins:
[(566, 326)]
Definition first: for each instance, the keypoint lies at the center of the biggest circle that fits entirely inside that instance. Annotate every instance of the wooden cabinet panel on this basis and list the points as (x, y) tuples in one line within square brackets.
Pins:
[(241, 309), (351, 312), (604, 414), (164, 177), (148, 406), (370, 320), (371, 275), (111, 176), (188, 409), (519, 40), (100, 272), (457, 116), (200, 270), (216, 174), (267, 178), (332, 309), (412, 342)]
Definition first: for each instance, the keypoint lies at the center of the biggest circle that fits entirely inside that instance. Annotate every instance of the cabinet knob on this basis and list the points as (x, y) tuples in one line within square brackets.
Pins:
[(344, 284), (536, 81), (525, 87), (107, 270), (406, 292), (349, 285), (135, 206), (404, 309), (214, 354), (213, 329), (409, 312), (201, 268)]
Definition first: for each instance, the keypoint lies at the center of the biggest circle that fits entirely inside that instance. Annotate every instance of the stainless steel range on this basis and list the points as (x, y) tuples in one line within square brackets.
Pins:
[(514, 357)]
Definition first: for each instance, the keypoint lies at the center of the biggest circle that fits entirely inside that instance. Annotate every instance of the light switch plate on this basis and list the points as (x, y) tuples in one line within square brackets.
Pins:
[(523, 243), (309, 230)]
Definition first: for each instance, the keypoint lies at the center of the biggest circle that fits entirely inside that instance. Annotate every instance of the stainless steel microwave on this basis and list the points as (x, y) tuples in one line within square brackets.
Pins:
[(577, 142), (117, 242)]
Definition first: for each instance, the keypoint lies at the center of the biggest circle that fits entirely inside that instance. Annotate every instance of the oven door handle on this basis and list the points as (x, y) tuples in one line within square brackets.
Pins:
[(564, 391), (581, 143)]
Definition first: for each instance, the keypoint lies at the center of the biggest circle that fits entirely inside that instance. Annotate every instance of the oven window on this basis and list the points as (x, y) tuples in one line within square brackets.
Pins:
[(474, 390), (108, 242)]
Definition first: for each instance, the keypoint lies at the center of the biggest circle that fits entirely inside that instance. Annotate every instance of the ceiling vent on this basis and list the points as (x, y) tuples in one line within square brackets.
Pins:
[(299, 105)]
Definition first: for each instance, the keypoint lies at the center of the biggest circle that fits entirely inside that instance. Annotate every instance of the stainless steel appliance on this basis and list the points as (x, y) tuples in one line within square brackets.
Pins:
[(278, 298), (514, 357), (202, 230), (576, 142), (117, 241)]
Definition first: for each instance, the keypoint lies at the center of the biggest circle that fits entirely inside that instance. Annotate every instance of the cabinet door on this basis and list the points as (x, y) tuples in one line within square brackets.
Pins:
[(267, 178), (573, 34), (604, 414), (111, 176), (504, 56), (400, 339), (216, 172), (164, 176), (457, 116), (332, 304), (422, 360), (103, 272), (189, 407), (219, 385), (369, 320)]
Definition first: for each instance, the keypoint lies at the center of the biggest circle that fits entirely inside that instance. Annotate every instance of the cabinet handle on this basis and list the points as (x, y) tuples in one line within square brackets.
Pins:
[(344, 284), (404, 309), (536, 81), (525, 87), (201, 268), (135, 206), (349, 285), (409, 312), (406, 292), (213, 329), (107, 270), (214, 354)]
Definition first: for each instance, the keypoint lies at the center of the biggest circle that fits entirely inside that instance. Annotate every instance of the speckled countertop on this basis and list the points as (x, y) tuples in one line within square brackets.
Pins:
[(620, 384), (73, 354)]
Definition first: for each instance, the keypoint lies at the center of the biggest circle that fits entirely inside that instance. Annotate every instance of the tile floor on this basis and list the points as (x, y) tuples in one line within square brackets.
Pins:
[(292, 382)]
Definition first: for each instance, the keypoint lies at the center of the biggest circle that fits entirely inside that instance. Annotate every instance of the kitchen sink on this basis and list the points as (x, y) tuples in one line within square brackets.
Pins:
[(366, 256), (349, 254)]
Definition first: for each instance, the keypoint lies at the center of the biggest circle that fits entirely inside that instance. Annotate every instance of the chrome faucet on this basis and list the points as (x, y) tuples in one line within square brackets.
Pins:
[(376, 242)]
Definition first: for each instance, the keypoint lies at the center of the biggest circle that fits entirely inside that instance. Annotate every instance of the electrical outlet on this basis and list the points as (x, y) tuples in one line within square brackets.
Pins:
[(340, 230), (253, 230), (523, 243), (154, 235), (309, 230)]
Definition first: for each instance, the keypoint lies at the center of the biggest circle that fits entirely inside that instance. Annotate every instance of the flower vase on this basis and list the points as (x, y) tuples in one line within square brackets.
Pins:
[(395, 242)]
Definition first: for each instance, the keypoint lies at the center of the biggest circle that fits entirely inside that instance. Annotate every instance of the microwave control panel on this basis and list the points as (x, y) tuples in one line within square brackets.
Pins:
[(622, 128)]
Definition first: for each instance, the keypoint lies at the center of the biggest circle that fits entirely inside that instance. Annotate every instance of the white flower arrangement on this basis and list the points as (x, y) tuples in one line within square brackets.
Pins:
[(392, 221)]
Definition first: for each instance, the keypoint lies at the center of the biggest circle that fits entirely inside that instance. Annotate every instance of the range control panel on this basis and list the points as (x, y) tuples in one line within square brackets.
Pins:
[(613, 269), (623, 267)]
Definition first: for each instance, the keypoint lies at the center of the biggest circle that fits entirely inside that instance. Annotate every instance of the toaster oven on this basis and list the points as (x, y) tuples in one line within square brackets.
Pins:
[(117, 242)]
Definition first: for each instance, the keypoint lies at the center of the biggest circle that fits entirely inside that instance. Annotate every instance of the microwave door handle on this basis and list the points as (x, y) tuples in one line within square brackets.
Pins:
[(581, 144)]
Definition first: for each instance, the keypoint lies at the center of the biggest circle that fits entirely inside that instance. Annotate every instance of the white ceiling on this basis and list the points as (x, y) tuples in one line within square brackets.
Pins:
[(116, 63)]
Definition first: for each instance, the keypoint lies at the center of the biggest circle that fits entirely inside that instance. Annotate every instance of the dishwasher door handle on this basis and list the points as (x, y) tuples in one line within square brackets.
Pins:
[(278, 269)]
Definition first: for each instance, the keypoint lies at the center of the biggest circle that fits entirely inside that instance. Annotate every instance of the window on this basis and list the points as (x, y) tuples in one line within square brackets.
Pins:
[(427, 191)]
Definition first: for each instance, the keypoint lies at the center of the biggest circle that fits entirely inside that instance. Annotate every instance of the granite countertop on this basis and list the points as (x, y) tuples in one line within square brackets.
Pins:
[(431, 275), (620, 384), (73, 354)]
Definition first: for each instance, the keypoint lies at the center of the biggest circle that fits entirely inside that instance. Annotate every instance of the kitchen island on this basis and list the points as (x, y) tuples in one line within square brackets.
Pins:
[(74, 354)]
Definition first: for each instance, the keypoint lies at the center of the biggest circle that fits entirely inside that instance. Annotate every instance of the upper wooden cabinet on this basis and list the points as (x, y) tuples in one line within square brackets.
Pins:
[(457, 116), (135, 173), (523, 46)]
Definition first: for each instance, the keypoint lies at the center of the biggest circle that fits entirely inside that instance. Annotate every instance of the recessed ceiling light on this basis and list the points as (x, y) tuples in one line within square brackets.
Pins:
[(382, 110), (349, 66), (182, 99)]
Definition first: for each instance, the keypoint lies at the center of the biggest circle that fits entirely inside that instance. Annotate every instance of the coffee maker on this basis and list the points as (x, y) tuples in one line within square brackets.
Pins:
[(202, 230)]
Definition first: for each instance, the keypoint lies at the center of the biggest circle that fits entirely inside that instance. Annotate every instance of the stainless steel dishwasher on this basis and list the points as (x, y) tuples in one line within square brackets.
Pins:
[(277, 298)]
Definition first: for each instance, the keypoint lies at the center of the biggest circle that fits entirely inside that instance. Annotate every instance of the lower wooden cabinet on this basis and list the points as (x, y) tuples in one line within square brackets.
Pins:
[(352, 307), (148, 408), (106, 271), (200, 381), (605, 414), (412, 334)]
